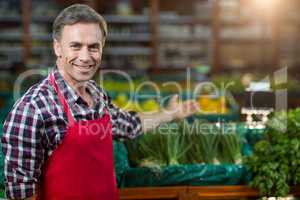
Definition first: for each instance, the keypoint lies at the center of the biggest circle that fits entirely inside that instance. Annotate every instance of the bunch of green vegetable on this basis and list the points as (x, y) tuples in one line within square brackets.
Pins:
[(275, 163), (230, 148), (184, 143), (159, 147), (205, 139)]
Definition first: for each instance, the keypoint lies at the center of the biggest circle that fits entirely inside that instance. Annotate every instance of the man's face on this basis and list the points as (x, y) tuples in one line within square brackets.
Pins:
[(79, 51)]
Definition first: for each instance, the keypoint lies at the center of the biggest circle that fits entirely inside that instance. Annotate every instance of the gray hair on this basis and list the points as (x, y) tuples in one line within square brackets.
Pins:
[(74, 14)]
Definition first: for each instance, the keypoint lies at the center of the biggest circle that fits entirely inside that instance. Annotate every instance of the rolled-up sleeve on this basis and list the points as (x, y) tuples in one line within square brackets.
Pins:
[(22, 150), (124, 124)]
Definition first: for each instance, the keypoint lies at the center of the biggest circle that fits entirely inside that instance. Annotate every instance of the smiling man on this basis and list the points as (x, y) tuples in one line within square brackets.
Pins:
[(57, 139)]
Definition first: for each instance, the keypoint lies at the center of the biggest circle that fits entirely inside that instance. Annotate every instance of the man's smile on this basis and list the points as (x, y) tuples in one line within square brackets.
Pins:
[(83, 68)]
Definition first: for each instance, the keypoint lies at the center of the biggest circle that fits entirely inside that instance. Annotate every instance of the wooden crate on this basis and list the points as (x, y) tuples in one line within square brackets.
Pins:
[(193, 192)]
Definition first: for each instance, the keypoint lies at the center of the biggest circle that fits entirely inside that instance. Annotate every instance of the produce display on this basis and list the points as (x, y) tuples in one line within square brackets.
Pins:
[(272, 163), (207, 104), (186, 143), (122, 101), (183, 153)]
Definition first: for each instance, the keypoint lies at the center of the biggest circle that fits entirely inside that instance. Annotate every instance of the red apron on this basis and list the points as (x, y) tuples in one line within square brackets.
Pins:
[(82, 166)]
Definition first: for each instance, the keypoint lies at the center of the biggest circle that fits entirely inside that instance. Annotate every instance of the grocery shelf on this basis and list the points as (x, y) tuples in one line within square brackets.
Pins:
[(10, 50), (42, 19), (41, 49), (138, 29), (236, 22), (233, 39), (108, 18), (126, 19), (42, 37), (134, 37), (4, 64), (127, 50), (183, 20), (11, 36), (10, 19), (184, 39), (203, 21)]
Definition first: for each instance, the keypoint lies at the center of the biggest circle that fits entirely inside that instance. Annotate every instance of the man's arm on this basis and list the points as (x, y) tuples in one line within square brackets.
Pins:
[(131, 124), (23, 151), (124, 124), (174, 111)]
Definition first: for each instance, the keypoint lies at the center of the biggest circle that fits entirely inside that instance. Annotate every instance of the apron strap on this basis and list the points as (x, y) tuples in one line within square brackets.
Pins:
[(63, 101)]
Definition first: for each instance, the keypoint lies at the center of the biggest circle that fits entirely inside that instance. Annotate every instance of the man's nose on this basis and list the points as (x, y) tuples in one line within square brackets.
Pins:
[(84, 55)]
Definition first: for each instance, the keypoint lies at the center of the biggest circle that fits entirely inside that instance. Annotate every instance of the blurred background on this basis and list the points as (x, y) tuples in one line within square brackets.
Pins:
[(242, 45), (212, 40)]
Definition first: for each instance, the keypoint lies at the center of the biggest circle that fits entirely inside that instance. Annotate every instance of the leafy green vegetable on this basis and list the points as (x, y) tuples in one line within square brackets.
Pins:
[(275, 163)]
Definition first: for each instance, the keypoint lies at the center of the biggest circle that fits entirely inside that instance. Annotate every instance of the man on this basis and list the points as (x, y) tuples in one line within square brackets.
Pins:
[(57, 139)]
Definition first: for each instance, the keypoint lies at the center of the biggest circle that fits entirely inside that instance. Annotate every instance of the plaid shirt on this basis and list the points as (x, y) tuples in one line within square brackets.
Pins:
[(37, 124)]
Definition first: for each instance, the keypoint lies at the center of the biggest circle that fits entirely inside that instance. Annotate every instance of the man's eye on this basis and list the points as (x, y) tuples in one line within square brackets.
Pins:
[(75, 46), (94, 48)]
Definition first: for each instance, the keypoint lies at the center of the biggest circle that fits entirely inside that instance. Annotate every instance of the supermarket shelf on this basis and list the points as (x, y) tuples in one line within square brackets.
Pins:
[(5, 64), (112, 37), (142, 37), (108, 18), (10, 19), (42, 19), (42, 50), (233, 39), (145, 19), (183, 20), (126, 19), (184, 39), (17, 52), (204, 21), (213, 19), (108, 50), (127, 50), (236, 22), (135, 37), (42, 37), (11, 36), (11, 50)]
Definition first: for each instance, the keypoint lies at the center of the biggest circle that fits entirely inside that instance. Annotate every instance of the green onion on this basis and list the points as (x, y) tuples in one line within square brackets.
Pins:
[(230, 148)]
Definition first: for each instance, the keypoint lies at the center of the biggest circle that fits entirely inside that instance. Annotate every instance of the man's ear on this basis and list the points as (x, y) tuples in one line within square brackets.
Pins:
[(57, 48)]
